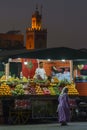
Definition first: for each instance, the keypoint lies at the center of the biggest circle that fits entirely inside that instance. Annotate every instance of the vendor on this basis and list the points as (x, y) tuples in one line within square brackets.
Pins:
[(40, 72), (67, 74)]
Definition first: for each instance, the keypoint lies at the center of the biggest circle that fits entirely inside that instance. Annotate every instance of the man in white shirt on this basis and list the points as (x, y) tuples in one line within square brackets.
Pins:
[(40, 72)]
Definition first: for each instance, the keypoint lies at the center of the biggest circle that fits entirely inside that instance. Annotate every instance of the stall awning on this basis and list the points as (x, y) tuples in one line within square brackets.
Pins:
[(48, 53)]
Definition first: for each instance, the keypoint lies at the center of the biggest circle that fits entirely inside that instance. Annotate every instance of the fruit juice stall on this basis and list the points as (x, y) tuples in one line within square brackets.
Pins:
[(25, 98)]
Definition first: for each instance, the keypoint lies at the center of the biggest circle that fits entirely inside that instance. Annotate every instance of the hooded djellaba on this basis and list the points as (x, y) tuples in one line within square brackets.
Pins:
[(63, 107)]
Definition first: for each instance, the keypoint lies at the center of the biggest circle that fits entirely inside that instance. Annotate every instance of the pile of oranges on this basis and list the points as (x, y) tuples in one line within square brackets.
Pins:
[(5, 90)]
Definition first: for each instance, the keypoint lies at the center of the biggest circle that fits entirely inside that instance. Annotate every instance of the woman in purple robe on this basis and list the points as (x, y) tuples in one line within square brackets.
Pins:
[(63, 107)]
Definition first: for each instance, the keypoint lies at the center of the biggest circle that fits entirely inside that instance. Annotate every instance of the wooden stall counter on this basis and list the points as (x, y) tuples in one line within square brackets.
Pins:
[(82, 88)]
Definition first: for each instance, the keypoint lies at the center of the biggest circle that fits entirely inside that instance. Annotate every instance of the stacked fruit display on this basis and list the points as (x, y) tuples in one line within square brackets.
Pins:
[(53, 87), (5, 90), (3, 77), (55, 80), (38, 90), (31, 90), (46, 90), (18, 90), (52, 91), (23, 80), (57, 91), (12, 81), (34, 87), (72, 90)]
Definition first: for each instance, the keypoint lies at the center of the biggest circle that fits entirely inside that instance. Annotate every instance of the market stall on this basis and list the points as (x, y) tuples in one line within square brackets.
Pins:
[(80, 76), (26, 98)]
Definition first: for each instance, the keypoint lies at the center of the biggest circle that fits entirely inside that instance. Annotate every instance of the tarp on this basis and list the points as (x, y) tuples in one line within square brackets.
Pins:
[(48, 53)]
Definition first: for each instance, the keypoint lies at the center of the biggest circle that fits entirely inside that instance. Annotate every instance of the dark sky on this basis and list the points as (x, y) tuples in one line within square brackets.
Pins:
[(65, 20)]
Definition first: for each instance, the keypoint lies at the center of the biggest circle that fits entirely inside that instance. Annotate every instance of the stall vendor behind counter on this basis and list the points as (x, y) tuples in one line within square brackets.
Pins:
[(40, 72)]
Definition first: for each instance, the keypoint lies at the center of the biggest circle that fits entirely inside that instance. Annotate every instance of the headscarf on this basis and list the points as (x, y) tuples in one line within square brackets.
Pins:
[(63, 90)]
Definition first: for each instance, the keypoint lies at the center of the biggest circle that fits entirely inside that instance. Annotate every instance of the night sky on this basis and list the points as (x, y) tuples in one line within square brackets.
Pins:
[(65, 20)]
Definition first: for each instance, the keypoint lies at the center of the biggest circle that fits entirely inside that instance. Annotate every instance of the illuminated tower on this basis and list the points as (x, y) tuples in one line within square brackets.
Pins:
[(36, 36)]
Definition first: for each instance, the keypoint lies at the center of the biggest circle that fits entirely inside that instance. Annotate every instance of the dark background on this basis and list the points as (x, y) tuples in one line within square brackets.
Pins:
[(66, 20)]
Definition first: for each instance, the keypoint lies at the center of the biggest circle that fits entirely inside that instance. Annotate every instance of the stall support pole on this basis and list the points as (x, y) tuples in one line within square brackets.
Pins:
[(7, 70), (71, 70)]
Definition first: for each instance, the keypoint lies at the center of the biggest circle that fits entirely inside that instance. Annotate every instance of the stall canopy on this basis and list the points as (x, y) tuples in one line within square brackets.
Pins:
[(48, 53)]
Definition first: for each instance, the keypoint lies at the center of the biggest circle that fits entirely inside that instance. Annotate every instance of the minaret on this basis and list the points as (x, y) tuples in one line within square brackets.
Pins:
[(36, 36), (36, 20)]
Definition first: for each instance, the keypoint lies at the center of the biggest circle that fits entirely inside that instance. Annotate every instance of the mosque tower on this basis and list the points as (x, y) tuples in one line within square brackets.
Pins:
[(36, 36)]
